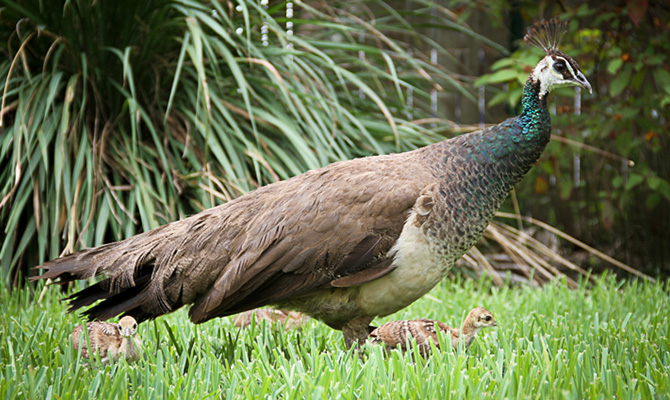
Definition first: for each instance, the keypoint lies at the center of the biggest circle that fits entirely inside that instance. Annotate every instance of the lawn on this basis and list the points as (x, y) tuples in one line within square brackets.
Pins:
[(605, 340)]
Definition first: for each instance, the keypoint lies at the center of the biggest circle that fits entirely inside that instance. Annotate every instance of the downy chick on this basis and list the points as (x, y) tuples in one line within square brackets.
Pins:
[(287, 319), (110, 340), (424, 331)]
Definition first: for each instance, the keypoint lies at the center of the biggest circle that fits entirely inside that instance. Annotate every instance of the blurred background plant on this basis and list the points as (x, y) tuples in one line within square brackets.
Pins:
[(121, 116)]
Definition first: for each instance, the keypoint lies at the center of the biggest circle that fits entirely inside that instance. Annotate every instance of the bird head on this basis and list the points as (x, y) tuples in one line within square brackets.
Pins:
[(127, 326), (482, 318), (556, 69)]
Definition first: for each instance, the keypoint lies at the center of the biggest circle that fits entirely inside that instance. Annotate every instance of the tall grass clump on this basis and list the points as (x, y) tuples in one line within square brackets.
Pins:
[(120, 116)]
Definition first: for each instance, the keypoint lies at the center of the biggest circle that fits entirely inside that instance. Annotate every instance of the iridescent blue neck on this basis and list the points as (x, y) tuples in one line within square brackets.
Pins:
[(512, 146), (534, 118), (478, 170)]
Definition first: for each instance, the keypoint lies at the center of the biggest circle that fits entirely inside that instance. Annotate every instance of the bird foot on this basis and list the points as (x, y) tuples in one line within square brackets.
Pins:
[(355, 333)]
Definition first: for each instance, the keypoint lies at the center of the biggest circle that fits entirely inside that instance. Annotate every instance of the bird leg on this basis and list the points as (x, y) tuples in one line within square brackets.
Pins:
[(356, 331)]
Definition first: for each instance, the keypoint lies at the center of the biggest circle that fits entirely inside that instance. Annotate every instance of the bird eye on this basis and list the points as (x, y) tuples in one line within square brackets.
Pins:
[(135, 326), (488, 318), (120, 327), (559, 66)]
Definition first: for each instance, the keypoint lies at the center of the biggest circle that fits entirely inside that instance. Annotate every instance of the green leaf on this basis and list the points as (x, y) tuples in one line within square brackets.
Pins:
[(664, 189), (614, 65), (634, 180), (654, 182), (566, 189), (620, 82), (629, 112), (652, 201), (498, 98), (638, 79), (504, 75), (662, 78), (502, 63), (655, 60)]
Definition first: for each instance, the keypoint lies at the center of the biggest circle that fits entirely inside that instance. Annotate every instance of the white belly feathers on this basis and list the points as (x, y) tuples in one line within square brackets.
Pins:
[(418, 269)]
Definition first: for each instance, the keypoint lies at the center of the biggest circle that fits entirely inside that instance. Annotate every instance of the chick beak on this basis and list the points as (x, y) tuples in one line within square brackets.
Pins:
[(127, 332)]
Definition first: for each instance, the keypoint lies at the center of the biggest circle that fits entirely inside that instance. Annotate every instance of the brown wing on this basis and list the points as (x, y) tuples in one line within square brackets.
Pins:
[(284, 240), (328, 235)]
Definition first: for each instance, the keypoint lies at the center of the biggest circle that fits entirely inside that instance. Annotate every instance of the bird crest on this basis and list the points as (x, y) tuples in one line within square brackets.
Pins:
[(546, 34)]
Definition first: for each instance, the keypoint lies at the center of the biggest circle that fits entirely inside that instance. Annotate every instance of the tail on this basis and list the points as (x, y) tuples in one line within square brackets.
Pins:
[(132, 283)]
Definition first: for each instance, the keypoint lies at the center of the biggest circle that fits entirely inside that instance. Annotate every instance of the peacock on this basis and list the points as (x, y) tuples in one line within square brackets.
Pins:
[(345, 243)]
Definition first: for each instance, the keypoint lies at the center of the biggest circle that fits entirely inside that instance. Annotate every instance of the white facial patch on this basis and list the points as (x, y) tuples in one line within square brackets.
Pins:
[(550, 78)]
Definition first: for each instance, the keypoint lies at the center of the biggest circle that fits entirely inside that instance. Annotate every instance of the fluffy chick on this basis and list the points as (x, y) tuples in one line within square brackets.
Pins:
[(288, 319), (110, 340), (397, 333)]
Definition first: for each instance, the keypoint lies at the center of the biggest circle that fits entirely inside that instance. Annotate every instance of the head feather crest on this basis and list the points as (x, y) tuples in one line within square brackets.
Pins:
[(546, 34)]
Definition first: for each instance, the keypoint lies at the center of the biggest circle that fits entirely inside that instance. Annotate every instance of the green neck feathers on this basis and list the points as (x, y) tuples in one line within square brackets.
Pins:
[(534, 118)]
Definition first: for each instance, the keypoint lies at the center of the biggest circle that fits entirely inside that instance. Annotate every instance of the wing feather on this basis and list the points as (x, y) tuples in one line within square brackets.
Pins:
[(286, 239)]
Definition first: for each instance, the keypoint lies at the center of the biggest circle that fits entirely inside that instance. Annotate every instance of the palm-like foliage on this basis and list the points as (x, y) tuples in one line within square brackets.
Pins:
[(124, 115)]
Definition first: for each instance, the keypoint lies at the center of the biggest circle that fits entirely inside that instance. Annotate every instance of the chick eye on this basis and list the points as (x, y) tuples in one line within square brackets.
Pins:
[(488, 318), (120, 327), (134, 326)]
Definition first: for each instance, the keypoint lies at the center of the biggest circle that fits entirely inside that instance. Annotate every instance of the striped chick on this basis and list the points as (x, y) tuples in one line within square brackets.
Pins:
[(424, 331), (110, 340)]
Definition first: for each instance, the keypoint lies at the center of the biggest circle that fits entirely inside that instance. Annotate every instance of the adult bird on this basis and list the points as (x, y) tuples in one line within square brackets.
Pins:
[(343, 244)]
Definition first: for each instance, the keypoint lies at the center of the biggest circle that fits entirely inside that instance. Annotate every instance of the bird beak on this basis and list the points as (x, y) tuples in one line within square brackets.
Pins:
[(127, 332), (583, 82), (495, 324)]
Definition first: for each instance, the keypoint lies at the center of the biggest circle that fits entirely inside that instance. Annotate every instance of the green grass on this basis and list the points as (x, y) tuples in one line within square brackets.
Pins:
[(610, 340)]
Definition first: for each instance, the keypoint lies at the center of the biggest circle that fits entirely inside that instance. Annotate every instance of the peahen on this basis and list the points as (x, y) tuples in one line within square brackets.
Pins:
[(345, 243)]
